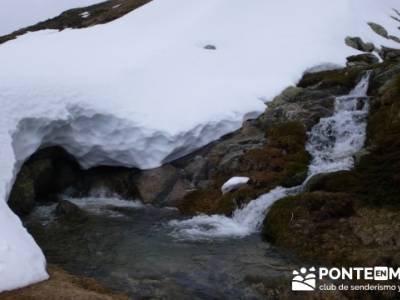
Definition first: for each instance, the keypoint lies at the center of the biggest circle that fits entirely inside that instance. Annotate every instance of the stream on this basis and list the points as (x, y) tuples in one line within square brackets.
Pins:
[(131, 248), (157, 253)]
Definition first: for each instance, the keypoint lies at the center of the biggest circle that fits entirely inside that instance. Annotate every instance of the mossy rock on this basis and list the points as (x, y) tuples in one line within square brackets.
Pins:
[(342, 181), (308, 224), (283, 161), (345, 78)]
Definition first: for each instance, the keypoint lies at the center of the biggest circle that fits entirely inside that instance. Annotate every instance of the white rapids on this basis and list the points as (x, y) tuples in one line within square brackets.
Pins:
[(332, 144)]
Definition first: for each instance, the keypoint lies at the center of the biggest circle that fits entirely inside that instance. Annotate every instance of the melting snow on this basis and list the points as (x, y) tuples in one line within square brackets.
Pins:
[(139, 91)]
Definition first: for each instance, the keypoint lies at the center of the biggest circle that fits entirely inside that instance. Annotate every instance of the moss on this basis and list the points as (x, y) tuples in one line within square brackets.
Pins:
[(276, 223), (346, 78), (380, 168), (230, 201), (199, 201), (282, 161), (309, 225), (342, 182)]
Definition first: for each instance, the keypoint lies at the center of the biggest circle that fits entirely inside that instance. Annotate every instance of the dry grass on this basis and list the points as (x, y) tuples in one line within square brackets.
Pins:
[(63, 286)]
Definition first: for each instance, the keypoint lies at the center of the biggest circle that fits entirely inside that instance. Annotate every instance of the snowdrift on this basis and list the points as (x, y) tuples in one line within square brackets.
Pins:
[(156, 84)]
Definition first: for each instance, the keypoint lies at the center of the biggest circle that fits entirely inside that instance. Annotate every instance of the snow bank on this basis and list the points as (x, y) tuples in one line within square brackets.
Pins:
[(16, 14), (142, 90), (234, 183)]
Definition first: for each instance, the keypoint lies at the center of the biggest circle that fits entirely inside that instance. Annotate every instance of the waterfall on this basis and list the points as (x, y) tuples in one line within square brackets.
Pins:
[(332, 144)]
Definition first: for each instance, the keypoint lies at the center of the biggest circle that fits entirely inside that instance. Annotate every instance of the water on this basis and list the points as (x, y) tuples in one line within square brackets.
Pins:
[(332, 144), (132, 252), (156, 253), (335, 140)]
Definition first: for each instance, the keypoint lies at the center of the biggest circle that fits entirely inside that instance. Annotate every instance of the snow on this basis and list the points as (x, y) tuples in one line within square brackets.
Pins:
[(142, 90), (85, 14), (17, 14), (234, 183)]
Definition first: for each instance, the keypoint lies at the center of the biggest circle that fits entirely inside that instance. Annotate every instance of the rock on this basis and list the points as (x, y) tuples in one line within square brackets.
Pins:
[(362, 60), (314, 182), (358, 44), (394, 38), (360, 155), (178, 192), (389, 53), (210, 47), (107, 182), (298, 104), (333, 82), (155, 185), (45, 174), (65, 207), (379, 29)]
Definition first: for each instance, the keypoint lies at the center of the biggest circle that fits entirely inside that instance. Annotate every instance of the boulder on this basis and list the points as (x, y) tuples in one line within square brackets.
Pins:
[(155, 185), (389, 53), (65, 207), (379, 29), (45, 174), (358, 44), (365, 59)]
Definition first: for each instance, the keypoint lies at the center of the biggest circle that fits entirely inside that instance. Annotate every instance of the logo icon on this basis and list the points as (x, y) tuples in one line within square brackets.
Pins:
[(305, 280), (381, 273)]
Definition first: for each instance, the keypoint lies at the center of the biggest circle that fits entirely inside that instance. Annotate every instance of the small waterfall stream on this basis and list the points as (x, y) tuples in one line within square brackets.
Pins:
[(332, 144)]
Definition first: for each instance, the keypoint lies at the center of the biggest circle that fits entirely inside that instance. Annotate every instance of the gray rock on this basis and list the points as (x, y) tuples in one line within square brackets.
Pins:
[(362, 60), (389, 53), (379, 29), (394, 38), (358, 44), (65, 207), (210, 47), (155, 185)]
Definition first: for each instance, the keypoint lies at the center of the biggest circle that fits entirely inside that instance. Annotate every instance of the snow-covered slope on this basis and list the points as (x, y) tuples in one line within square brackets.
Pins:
[(143, 90), (16, 14)]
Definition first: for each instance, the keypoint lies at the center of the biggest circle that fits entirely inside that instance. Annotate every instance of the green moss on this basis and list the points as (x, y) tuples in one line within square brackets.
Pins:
[(283, 161), (277, 221)]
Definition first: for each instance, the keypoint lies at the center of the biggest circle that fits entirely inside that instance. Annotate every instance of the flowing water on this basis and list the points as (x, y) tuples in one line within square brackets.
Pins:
[(332, 144), (129, 249), (156, 253)]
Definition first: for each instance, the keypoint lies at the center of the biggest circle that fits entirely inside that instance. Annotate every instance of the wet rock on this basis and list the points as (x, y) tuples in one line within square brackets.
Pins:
[(358, 44), (107, 182), (65, 207), (155, 185), (44, 175), (362, 60), (351, 217)]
